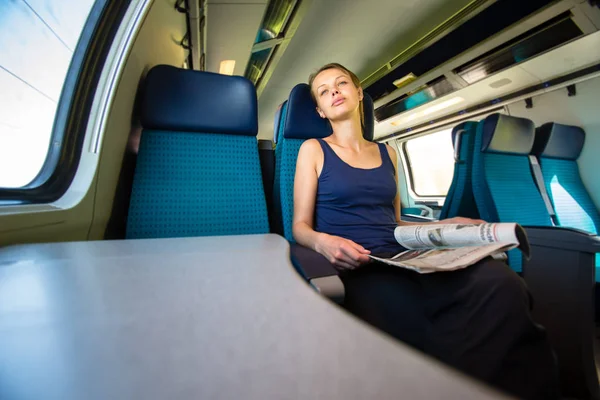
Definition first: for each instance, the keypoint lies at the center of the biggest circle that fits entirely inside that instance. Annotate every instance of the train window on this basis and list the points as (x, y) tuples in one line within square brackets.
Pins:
[(38, 39), (431, 163)]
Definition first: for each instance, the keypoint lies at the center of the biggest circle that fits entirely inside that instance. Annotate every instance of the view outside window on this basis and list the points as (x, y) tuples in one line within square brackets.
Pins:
[(37, 40), (431, 159)]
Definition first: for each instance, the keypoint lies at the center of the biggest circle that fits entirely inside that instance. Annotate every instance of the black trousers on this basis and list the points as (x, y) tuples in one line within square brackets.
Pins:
[(476, 319)]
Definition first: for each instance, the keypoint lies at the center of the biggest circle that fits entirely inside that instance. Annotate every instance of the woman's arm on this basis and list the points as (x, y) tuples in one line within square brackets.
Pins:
[(305, 193), (339, 251)]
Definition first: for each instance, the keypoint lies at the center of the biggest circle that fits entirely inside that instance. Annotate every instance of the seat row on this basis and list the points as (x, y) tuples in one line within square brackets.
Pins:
[(198, 173), (507, 170)]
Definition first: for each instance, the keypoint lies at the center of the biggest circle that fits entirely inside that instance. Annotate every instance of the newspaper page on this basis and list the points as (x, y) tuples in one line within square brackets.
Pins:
[(434, 247)]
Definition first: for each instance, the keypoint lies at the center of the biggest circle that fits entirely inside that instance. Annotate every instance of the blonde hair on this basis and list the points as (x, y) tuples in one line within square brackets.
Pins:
[(354, 79)]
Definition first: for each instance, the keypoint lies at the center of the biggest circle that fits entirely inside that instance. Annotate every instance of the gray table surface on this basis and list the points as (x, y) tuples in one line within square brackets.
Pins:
[(215, 317)]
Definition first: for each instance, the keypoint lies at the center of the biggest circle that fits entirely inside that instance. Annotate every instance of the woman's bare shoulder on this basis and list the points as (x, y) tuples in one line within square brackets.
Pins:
[(310, 148), (310, 156)]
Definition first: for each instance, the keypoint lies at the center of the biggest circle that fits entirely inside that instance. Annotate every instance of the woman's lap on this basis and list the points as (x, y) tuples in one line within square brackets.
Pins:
[(405, 303), (476, 319), (389, 298)]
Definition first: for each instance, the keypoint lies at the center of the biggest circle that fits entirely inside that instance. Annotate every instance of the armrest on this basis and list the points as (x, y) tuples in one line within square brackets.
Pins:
[(318, 271), (563, 238), (560, 275), (417, 218), (311, 264), (413, 211)]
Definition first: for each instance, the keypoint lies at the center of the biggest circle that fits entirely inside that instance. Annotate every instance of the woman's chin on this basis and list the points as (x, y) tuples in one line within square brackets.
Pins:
[(340, 114)]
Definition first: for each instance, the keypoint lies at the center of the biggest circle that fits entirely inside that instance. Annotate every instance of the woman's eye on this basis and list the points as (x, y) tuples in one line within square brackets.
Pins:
[(342, 83), (324, 92)]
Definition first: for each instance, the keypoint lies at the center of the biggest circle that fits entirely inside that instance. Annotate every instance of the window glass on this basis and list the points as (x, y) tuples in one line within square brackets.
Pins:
[(431, 160), (37, 40)]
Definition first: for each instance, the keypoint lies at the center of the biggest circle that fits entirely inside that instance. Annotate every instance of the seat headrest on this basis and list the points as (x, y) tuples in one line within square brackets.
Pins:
[(554, 140), (178, 99), (277, 122), (506, 134), (303, 122)]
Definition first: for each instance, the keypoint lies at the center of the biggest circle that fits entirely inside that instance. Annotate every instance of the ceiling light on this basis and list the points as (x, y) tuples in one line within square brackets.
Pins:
[(227, 67), (500, 83), (429, 110)]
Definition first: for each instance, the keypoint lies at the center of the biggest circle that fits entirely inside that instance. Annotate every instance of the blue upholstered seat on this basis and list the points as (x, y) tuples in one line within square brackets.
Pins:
[(503, 185), (277, 123), (300, 121), (459, 200), (558, 147), (197, 170)]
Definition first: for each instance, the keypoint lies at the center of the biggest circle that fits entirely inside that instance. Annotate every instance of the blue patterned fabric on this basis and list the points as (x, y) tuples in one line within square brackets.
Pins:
[(282, 121), (572, 203), (277, 181), (277, 125), (459, 200), (190, 184), (558, 147), (513, 189), (287, 170), (412, 211), (505, 191), (573, 206)]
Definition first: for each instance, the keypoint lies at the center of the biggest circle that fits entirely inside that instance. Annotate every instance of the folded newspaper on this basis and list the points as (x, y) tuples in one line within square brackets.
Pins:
[(433, 247)]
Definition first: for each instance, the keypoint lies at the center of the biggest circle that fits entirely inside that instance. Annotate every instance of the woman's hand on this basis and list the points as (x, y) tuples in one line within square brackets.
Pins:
[(342, 253), (462, 221)]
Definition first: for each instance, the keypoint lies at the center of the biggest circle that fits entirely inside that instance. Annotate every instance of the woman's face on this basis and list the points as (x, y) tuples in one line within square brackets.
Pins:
[(337, 97)]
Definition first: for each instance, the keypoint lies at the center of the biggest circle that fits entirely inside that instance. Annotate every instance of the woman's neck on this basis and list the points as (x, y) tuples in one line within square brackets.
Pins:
[(348, 133)]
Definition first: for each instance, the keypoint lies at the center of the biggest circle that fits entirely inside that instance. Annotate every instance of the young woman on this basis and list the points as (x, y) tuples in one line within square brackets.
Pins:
[(346, 206)]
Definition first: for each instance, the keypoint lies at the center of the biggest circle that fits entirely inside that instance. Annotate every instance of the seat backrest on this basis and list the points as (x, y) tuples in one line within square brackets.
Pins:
[(277, 125), (503, 186), (558, 147), (459, 200), (300, 121), (369, 117), (197, 170), (277, 227)]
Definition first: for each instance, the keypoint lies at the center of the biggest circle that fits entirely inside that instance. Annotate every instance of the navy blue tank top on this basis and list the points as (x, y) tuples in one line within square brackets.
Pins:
[(356, 203)]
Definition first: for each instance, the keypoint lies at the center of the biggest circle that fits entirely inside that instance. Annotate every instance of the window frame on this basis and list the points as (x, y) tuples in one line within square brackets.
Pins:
[(409, 170), (74, 107)]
